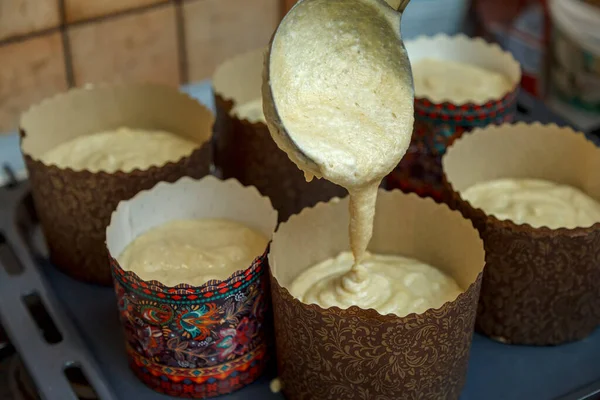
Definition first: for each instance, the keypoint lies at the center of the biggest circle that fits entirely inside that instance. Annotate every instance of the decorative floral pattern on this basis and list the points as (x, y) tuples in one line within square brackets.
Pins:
[(360, 354), (74, 208), (539, 284), (213, 332), (247, 152)]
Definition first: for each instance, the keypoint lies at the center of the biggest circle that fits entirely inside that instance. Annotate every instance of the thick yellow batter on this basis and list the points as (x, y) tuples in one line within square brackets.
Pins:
[(251, 111), (193, 251), (121, 150), (394, 285), (535, 202), (445, 80), (344, 100)]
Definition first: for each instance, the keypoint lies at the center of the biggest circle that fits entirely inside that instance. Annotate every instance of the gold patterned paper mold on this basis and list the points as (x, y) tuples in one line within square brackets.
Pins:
[(244, 148), (210, 339), (356, 353), (540, 285), (74, 206)]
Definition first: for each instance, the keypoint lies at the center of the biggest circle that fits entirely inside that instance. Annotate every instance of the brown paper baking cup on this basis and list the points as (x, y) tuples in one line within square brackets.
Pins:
[(74, 207), (540, 285), (361, 354), (245, 150), (194, 341)]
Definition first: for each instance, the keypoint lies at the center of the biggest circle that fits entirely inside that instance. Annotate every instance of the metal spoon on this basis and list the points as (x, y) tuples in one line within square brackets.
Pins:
[(276, 126)]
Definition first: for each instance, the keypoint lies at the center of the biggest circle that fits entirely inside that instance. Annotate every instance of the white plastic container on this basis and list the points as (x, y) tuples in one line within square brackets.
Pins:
[(429, 17), (574, 70)]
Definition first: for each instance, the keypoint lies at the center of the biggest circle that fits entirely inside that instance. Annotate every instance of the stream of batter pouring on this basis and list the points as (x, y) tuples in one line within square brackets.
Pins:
[(342, 86)]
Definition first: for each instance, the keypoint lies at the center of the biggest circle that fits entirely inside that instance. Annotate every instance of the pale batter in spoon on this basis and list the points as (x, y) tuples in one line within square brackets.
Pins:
[(338, 98)]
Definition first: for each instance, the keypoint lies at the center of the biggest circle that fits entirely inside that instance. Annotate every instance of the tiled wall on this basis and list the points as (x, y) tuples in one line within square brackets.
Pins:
[(47, 46)]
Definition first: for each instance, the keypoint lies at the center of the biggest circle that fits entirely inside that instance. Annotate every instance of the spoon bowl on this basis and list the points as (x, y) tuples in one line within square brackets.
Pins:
[(277, 127), (278, 132)]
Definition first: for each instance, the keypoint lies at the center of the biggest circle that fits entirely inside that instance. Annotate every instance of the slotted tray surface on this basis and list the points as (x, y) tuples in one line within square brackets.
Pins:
[(87, 317)]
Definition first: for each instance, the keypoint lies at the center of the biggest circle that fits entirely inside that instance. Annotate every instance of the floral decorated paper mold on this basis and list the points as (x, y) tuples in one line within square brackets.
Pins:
[(212, 332), (439, 122), (195, 341)]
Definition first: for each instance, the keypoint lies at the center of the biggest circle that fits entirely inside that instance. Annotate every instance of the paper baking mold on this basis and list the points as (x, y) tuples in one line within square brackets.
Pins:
[(74, 207), (194, 341), (540, 284), (356, 353), (245, 151), (438, 122)]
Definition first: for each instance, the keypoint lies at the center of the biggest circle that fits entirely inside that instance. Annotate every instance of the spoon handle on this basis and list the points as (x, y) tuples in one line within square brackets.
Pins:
[(399, 5), (402, 5)]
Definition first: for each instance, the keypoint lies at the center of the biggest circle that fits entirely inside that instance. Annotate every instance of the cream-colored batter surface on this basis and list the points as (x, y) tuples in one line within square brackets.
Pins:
[(445, 80), (394, 285), (121, 150), (344, 100), (251, 111), (535, 202), (193, 251)]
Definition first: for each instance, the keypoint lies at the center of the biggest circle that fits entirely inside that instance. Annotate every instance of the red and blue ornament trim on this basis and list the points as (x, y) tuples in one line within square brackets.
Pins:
[(200, 383), (439, 124), (214, 335)]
